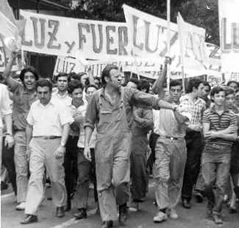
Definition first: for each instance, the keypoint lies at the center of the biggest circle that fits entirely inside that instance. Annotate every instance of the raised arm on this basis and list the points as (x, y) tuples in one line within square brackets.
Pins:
[(12, 83), (157, 87)]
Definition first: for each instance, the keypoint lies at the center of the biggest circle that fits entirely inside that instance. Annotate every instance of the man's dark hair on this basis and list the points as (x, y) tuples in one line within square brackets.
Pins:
[(62, 75), (74, 85), (144, 84), (106, 72), (175, 83), (29, 69), (207, 84), (216, 90), (44, 82), (135, 81), (193, 83), (230, 82), (229, 91), (87, 87)]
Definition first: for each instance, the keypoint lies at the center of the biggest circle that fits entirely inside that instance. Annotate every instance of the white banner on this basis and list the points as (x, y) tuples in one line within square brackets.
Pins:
[(63, 36), (4, 57), (148, 36), (192, 45), (229, 36)]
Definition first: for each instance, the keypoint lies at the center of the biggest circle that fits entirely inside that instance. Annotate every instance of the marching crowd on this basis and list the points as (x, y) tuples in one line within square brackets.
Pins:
[(84, 130)]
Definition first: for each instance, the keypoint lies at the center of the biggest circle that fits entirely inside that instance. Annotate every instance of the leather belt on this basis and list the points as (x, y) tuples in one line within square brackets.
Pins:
[(47, 137), (169, 137)]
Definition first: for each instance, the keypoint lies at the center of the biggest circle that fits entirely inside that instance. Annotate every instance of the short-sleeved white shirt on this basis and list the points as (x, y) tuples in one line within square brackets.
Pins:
[(47, 120), (5, 103)]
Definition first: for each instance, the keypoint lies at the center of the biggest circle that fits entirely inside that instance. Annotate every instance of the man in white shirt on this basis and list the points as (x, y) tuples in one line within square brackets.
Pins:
[(61, 93), (47, 131), (6, 114)]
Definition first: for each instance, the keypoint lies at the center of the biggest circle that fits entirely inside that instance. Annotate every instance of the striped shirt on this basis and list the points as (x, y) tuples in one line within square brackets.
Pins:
[(219, 122)]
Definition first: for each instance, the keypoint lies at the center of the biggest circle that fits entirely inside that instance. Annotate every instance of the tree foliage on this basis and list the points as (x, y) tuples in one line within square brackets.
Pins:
[(200, 13)]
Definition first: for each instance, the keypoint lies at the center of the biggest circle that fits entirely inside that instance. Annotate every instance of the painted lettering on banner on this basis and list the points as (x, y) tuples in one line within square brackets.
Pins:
[(66, 36)]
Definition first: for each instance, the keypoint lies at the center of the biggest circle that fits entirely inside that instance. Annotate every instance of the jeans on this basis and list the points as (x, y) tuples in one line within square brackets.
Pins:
[(215, 172)]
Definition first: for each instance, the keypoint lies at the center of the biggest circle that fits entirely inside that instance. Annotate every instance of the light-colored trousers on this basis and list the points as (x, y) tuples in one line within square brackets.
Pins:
[(42, 155), (112, 157), (21, 164), (168, 171)]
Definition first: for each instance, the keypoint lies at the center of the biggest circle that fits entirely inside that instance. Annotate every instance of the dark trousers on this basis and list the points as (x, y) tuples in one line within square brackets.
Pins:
[(8, 162), (139, 176), (70, 165), (194, 143), (86, 174)]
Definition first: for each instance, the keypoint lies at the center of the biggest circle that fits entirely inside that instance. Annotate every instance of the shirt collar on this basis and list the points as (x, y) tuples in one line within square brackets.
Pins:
[(213, 110)]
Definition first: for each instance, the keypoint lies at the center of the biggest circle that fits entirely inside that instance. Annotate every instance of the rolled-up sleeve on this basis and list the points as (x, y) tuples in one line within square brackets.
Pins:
[(65, 116), (91, 115), (141, 99)]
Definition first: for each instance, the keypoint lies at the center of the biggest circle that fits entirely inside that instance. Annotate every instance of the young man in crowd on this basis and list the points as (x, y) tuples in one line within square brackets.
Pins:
[(142, 124), (219, 129), (47, 132), (170, 154), (234, 167), (194, 140), (75, 91), (110, 109), (24, 95), (61, 93), (86, 168), (6, 115)]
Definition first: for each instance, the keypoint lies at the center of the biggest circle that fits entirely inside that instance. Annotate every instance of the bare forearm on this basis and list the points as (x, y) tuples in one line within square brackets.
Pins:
[(65, 134), (165, 105), (157, 87), (28, 134), (180, 118), (8, 122), (88, 133)]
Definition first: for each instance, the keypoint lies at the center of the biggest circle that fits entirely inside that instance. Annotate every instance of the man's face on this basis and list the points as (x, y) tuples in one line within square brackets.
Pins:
[(90, 92), (83, 79), (115, 78), (131, 85), (123, 78), (77, 95), (97, 82), (230, 100), (29, 80), (237, 98), (44, 94), (233, 85), (200, 90), (62, 83), (219, 98), (205, 92), (175, 93)]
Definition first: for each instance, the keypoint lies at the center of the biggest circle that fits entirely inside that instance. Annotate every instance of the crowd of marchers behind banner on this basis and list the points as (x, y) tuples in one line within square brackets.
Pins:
[(113, 133)]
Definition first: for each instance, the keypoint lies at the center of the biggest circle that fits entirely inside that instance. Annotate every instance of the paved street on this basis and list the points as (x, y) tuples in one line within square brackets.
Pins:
[(194, 218)]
